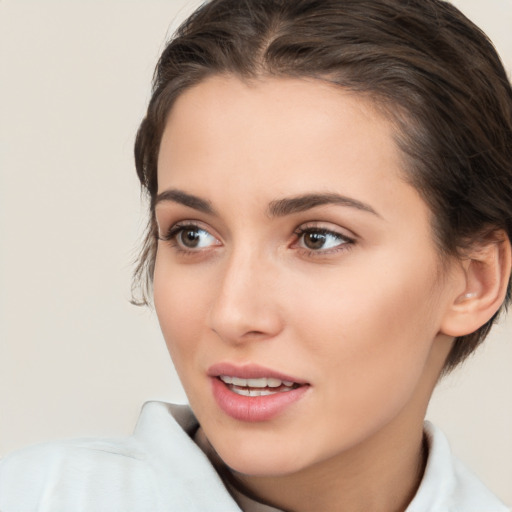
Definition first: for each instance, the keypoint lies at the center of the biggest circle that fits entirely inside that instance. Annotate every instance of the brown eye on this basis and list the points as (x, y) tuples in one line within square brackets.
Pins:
[(314, 240), (320, 240), (190, 238)]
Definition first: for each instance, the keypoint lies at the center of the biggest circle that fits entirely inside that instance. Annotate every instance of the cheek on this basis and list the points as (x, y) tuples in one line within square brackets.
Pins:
[(180, 303), (369, 338), (365, 308)]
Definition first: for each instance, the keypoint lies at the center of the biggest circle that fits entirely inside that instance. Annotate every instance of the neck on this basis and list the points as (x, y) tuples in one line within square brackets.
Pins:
[(381, 476)]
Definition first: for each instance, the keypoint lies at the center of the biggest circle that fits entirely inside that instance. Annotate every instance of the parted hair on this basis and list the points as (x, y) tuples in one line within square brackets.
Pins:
[(430, 70)]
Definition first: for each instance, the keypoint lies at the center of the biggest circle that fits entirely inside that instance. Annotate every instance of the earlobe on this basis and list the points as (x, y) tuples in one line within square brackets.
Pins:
[(486, 277)]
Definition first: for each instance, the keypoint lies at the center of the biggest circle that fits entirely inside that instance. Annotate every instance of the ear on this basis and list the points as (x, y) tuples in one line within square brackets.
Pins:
[(486, 274)]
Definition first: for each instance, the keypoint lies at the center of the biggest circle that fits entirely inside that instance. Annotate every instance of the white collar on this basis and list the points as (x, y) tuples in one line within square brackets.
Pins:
[(447, 485)]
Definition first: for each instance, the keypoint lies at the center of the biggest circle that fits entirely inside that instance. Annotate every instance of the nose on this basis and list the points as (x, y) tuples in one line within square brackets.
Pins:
[(246, 304)]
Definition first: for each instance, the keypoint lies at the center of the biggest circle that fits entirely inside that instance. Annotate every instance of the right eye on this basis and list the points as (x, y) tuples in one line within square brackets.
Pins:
[(190, 237)]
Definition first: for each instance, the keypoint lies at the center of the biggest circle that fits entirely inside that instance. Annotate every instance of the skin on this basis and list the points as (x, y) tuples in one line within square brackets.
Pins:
[(359, 318)]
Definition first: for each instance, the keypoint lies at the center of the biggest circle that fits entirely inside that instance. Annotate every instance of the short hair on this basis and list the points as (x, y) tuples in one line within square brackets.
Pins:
[(432, 71)]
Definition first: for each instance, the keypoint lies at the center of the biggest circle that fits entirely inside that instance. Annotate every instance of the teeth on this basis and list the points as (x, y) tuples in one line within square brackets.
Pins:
[(265, 382), (256, 383), (253, 392), (274, 383)]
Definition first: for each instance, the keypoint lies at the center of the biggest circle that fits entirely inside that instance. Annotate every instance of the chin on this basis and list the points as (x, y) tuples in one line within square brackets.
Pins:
[(261, 466), (262, 457)]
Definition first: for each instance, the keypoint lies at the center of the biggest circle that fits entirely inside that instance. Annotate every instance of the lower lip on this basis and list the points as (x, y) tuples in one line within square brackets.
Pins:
[(254, 408)]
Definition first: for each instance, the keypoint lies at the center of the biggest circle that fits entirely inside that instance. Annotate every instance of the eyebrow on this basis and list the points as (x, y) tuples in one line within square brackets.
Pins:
[(180, 197), (287, 206), (276, 208)]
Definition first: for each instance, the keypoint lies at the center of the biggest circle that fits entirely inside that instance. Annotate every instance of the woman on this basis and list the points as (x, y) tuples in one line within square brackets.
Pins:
[(329, 232)]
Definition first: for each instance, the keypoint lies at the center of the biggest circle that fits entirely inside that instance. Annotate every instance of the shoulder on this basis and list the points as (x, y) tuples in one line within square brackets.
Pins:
[(53, 475), (448, 485), (159, 468)]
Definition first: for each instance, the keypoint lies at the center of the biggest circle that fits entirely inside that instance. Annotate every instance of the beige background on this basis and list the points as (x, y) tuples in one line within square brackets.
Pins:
[(75, 357)]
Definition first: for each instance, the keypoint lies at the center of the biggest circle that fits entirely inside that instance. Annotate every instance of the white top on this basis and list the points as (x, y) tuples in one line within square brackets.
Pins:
[(161, 469)]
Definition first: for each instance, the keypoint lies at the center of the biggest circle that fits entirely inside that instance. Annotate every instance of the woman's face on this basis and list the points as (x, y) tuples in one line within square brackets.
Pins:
[(291, 249)]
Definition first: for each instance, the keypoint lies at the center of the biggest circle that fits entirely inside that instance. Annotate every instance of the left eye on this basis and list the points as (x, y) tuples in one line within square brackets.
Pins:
[(193, 237), (321, 239)]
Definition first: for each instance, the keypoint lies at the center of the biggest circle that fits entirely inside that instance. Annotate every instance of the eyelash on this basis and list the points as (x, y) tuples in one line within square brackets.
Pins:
[(346, 243), (175, 230)]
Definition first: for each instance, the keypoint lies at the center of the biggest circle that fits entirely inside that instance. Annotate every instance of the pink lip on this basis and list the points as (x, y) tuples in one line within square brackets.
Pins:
[(256, 408)]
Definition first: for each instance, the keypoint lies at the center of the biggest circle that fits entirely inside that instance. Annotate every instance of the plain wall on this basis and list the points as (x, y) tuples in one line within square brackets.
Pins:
[(75, 357)]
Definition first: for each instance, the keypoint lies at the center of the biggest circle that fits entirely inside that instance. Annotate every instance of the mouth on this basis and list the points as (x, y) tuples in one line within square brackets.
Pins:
[(264, 386), (252, 393)]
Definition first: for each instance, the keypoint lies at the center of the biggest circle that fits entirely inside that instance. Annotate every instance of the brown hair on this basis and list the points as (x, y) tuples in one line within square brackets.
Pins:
[(435, 74)]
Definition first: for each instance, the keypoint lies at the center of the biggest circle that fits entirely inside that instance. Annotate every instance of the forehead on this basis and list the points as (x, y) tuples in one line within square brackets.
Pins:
[(261, 126)]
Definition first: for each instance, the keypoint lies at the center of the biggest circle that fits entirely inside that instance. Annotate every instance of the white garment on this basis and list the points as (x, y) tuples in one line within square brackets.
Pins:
[(160, 469)]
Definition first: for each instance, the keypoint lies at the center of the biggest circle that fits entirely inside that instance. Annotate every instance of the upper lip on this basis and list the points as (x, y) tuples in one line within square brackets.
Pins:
[(249, 371)]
